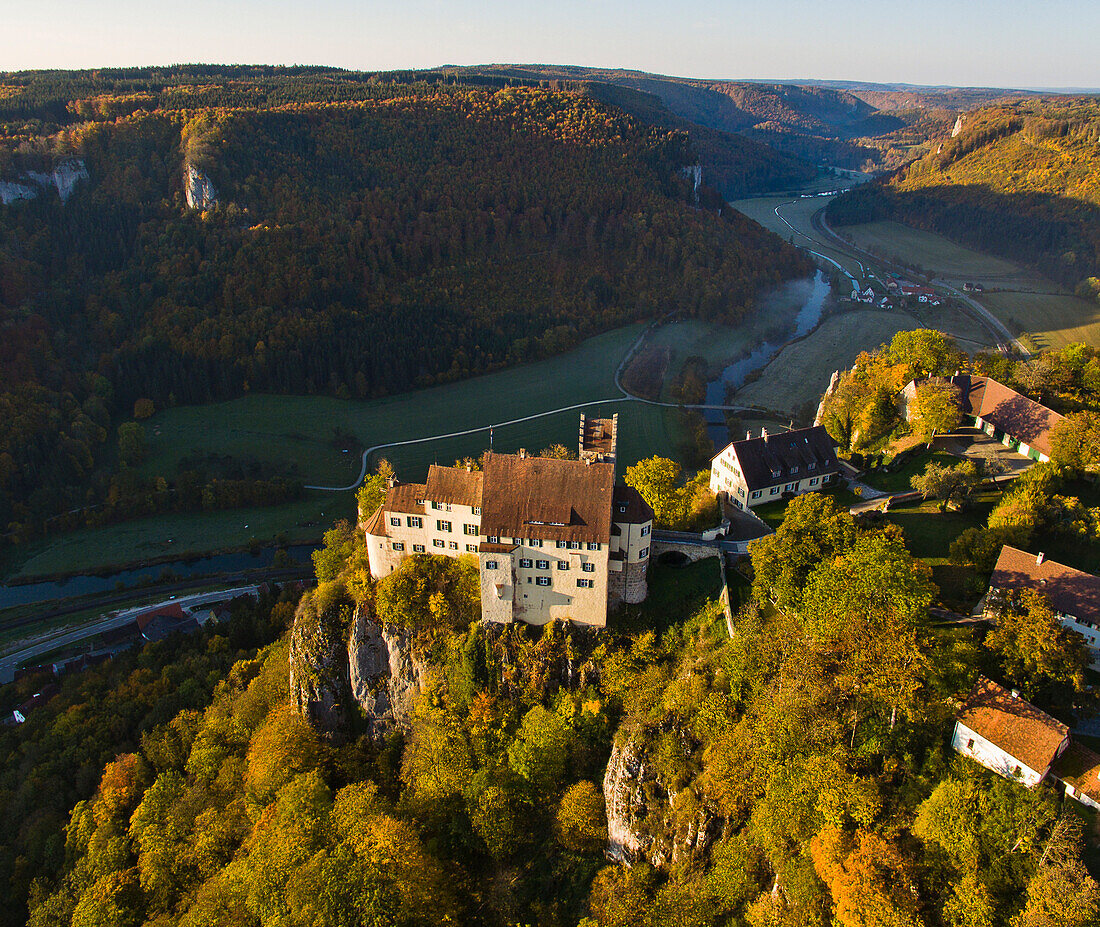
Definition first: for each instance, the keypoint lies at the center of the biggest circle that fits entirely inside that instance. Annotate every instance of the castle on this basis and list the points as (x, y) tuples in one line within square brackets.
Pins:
[(554, 539)]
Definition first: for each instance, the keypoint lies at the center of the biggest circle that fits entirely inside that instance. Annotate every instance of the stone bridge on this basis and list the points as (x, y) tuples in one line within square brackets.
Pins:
[(678, 547)]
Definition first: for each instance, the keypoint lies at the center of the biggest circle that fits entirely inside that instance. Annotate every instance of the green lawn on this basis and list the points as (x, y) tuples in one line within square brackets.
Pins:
[(675, 592), (929, 533), (182, 535), (298, 430), (905, 245), (900, 480)]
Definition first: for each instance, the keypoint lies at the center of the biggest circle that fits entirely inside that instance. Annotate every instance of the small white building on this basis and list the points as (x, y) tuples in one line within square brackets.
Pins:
[(1008, 735), (759, 470)]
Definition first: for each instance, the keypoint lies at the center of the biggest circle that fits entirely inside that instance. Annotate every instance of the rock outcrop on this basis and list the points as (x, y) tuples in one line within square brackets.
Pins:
[(645, 819), (384, 671), (198, 189), (559, 658), (958, 126), (319, 686), (63, 178)]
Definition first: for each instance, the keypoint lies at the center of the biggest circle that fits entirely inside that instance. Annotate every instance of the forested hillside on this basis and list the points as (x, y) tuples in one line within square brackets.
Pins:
[(395, 762), (1021, 180), (360, 236)]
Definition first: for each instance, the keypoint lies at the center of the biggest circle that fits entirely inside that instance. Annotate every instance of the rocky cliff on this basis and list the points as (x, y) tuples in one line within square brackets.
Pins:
[(646, 819), (198, 189), (385, 672), (63, 178), (319, 673)]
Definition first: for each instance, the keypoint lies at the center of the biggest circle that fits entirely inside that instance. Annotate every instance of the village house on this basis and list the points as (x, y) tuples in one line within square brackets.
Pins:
[(554, 539), (1005, 415), (1010, 736), (1074, 595), (759, 470)]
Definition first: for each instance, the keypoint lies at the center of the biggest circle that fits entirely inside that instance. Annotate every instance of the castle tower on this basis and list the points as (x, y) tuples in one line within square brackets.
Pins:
[(598, 439)]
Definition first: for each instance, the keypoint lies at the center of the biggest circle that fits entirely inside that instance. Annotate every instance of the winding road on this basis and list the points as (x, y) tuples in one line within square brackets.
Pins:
[(625, 397)]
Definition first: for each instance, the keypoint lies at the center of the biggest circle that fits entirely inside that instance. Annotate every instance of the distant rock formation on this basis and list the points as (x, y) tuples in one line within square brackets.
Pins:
[(63, 178), (198, 189), (958, 126)]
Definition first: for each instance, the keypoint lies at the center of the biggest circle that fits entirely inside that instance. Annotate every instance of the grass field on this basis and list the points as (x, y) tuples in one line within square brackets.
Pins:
[(936, 254), (1028, 303), (299, 430), (800, 372), (797, 213), (1048, 320), (182, 535)]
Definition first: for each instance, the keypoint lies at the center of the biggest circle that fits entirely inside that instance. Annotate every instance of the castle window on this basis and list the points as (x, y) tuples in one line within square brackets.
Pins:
[(574, 545), (643, 553), (542, 580), (593, 545), (756, 494), (494, 539), (453, 545), (436, 506), (469, 529), (534, 542), (542, 564), (622, 509), (477, 509), (826, 478), (588, 567), (471, 548), (414, 521), (438, 542), (774, 491), (418, 548), (561, 545), (395, 521), (647, 528), (397, 545), (525, 563), (585, 583), (491, 564), (563, 564), (970, 744), (441, 525), (813, 481)]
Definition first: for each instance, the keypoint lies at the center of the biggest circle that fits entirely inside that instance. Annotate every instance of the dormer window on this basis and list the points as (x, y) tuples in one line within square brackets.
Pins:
[(776, 474), (794, 470), (622, 509), (811, 465)]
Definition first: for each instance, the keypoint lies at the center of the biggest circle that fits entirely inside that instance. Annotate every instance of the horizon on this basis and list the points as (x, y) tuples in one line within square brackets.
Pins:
[(935, 45)]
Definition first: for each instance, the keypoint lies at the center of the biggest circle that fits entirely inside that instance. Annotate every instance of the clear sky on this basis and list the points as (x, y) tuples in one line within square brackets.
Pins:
[(1002, 43)]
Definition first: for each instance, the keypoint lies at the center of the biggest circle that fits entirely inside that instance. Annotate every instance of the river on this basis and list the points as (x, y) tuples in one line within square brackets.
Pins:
[(30, 593), (734, 376)]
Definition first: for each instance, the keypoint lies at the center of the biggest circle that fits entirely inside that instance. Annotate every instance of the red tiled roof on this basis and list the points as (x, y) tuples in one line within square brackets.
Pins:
[(376, 524), (788, 453), (1016, 726), (403, 496), (1080, 767), (175, 610), (1025, 419), (637, 509), (558, 500), (1069, 591), (454, 485)]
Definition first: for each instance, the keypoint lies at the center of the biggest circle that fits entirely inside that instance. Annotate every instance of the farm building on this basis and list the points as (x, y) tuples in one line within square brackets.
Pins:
[(759, 470)]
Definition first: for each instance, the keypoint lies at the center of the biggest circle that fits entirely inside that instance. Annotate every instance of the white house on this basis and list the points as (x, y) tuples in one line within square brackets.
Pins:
[(759, 470), (1007, 734)]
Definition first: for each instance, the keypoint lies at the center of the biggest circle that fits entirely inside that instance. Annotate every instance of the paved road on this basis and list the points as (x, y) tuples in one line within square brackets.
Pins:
[(27, 650)]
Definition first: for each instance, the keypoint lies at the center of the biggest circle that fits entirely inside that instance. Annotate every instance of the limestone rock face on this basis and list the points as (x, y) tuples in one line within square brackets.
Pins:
[(647, 821), (63, 178), (385, 673), (198, 189), (319, 665), (958, 126)]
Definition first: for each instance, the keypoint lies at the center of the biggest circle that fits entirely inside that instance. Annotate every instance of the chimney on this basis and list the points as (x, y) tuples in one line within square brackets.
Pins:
[(469, 467), (748, 435), (1015, 693), (764, 433), (522, 453), (1039, 559)]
